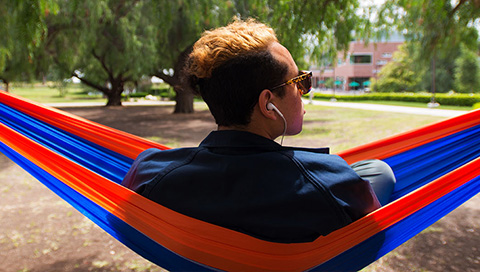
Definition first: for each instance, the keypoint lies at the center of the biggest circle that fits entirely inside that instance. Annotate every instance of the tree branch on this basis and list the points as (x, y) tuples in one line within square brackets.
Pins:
[(91, 84), (122, 9), (454, 10), (104, 65), (167, 78)]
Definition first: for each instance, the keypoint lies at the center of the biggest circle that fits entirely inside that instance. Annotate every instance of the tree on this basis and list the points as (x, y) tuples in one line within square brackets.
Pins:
[(306, 28), (103, 43), (443, 71), (406, 73), (21, 32), (437, 25), (17, 67), (108, 43), (401, 74), (430, 22), (467, 72), (176, 40)]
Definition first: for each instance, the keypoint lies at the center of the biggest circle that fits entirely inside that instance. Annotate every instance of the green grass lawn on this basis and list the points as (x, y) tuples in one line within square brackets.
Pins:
[(407, 104), (413, 104), (77, 93), (45, 94), (342, 128)]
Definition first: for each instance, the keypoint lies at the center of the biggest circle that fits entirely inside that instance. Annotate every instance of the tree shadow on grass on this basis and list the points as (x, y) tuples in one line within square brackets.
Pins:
[(5, 162), (156, 122), (88, 263)]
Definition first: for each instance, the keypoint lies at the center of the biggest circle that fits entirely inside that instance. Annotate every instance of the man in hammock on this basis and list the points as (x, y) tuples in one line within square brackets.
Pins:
[(239, 177)]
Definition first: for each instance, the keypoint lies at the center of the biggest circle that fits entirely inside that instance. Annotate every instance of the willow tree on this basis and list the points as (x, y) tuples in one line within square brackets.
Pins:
[(105, 44), (307, 28), (22, 31), (186, 21)]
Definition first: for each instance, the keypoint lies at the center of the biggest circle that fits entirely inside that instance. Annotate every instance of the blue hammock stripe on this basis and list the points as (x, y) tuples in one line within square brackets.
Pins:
[(426, 163), (98, 159)]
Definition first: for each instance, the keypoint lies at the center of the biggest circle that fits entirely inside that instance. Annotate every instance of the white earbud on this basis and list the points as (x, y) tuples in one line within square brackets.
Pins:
[(270, 106)]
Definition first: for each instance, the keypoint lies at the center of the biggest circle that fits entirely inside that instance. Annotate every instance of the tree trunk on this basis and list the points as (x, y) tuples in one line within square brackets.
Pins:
[(6, 84), (184, 95), (184, 100), (434, 71), (114, 96), (113, 100)]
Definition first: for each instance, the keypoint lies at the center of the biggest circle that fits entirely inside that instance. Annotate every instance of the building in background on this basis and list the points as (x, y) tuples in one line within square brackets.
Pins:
[(354, 70)]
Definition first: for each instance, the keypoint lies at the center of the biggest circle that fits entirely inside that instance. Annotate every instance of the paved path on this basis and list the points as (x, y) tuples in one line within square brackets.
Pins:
[(93, 104), (388, 108), (362, 106)]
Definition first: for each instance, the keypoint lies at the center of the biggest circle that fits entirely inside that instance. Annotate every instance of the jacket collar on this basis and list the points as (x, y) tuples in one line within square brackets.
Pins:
[(243, 139)]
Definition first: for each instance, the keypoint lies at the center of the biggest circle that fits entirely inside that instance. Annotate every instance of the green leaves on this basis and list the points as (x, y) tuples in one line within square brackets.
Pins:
[(108, 39), (22, 33), (467, 72), (437, 24)]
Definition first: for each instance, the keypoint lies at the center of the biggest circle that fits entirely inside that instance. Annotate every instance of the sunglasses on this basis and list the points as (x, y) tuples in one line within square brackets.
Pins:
[(303, 81)]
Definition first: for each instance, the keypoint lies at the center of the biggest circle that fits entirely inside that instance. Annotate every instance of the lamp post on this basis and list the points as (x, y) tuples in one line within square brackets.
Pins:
[(433, 103)]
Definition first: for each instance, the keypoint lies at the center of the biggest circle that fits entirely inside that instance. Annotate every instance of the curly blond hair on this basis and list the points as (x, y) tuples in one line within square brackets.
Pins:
[(218, 46)]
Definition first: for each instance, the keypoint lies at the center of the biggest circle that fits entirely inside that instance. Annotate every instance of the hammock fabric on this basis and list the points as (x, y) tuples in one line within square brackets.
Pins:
[(437, 169)]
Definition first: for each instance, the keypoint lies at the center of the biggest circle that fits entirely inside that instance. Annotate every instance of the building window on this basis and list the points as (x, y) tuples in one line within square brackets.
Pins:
[(361, 59), (386, 55), (381, 62)]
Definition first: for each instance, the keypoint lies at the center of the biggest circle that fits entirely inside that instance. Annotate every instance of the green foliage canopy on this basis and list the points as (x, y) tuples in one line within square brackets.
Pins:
[(103, 43), (108, 43), (307, 28), (400, 74), (22, 31), (435, 24), (467, 72), (435, 31)]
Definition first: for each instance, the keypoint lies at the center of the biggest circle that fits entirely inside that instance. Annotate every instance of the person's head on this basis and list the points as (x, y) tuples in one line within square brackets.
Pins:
[(235, 69)]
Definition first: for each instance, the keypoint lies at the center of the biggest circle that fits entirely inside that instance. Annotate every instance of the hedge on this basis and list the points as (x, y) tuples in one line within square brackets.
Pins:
[(165, 92), (138, 94), (454, 99), (162, 92)]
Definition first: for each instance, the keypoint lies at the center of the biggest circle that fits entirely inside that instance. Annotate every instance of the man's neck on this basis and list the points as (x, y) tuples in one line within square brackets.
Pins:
[(249, 128)]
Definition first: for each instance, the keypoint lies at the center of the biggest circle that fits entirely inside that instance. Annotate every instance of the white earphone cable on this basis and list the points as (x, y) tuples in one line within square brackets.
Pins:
[(284, 128), (270, 106)]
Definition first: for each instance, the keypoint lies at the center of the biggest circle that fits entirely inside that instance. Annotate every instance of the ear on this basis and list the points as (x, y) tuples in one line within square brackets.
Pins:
[(265, 97)]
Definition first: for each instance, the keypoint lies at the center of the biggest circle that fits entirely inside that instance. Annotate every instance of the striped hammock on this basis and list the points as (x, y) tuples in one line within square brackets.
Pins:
[(437, 169)]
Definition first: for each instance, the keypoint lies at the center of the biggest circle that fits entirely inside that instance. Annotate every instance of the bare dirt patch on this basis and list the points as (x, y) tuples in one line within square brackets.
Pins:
[(40, 232)]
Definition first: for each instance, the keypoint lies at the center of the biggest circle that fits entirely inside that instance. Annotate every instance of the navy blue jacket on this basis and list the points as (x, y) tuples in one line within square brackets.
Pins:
[(251, 184)]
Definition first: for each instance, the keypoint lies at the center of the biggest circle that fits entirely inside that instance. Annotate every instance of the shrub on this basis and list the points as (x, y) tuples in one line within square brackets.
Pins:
[(451, 99), (138, 94), (164, 92)]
